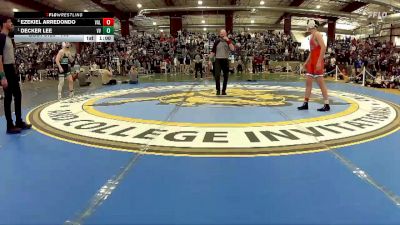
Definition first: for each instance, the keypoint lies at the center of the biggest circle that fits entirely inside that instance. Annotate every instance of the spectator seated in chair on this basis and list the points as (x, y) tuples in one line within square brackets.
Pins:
[(343, 75), (83, 79), (278, 68), (377, 82), (106, 77), (133, 75)]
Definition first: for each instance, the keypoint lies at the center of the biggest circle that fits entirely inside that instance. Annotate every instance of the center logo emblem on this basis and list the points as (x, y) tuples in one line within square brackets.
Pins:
[(187, 120)]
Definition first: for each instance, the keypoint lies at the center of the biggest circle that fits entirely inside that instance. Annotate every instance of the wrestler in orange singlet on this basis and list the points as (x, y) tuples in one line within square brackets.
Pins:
[(314, 66)]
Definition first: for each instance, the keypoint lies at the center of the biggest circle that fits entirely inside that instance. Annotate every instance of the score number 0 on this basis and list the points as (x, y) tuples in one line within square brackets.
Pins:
[(108, 26), (108, 22)]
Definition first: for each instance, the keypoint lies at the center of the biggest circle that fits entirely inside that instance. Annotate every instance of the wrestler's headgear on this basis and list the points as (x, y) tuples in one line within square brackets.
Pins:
[(66, 44), (312, 24)]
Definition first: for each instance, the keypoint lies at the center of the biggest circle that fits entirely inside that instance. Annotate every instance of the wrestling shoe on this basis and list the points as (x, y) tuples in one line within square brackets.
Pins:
[(303, 107), (326, 108)]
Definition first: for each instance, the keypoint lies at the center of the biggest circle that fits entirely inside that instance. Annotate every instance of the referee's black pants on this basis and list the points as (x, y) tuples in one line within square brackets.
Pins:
[(13, 89), (221, 65)]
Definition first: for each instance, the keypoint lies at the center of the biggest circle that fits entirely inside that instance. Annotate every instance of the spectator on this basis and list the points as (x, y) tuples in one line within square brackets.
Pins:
[(198, 65), (106, 77), (133, 75)]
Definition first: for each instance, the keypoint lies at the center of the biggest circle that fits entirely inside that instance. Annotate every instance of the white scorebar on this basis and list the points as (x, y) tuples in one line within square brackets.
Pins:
[(64, 37)]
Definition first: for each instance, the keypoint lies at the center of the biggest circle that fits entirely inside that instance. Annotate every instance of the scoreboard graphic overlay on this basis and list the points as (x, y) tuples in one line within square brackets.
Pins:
[(60, 26)]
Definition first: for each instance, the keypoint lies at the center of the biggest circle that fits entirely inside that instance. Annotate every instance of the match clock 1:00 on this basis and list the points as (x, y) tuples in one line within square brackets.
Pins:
[(104, 38)]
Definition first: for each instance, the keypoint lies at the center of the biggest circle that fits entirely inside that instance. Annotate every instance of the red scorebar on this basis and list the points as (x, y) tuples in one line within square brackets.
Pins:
[(108, 22)]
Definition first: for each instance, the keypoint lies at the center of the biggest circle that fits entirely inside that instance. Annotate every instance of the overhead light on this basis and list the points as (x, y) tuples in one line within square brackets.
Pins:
[(161, 31), (203, 21), (200, 2), (15, 10), (154, 23), (262, 2), (248, 28), (139, 5), (253, 10), (85, 10), (204, 28), (318, 6), (252, 21)]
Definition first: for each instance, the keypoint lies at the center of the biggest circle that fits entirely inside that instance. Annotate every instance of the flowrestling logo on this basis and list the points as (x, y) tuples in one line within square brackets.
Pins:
[(378, 15), (187, 120)]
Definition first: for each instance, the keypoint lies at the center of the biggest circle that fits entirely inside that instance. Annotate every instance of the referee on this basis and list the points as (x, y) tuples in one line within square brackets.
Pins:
[(221, 49), (9, 78)]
